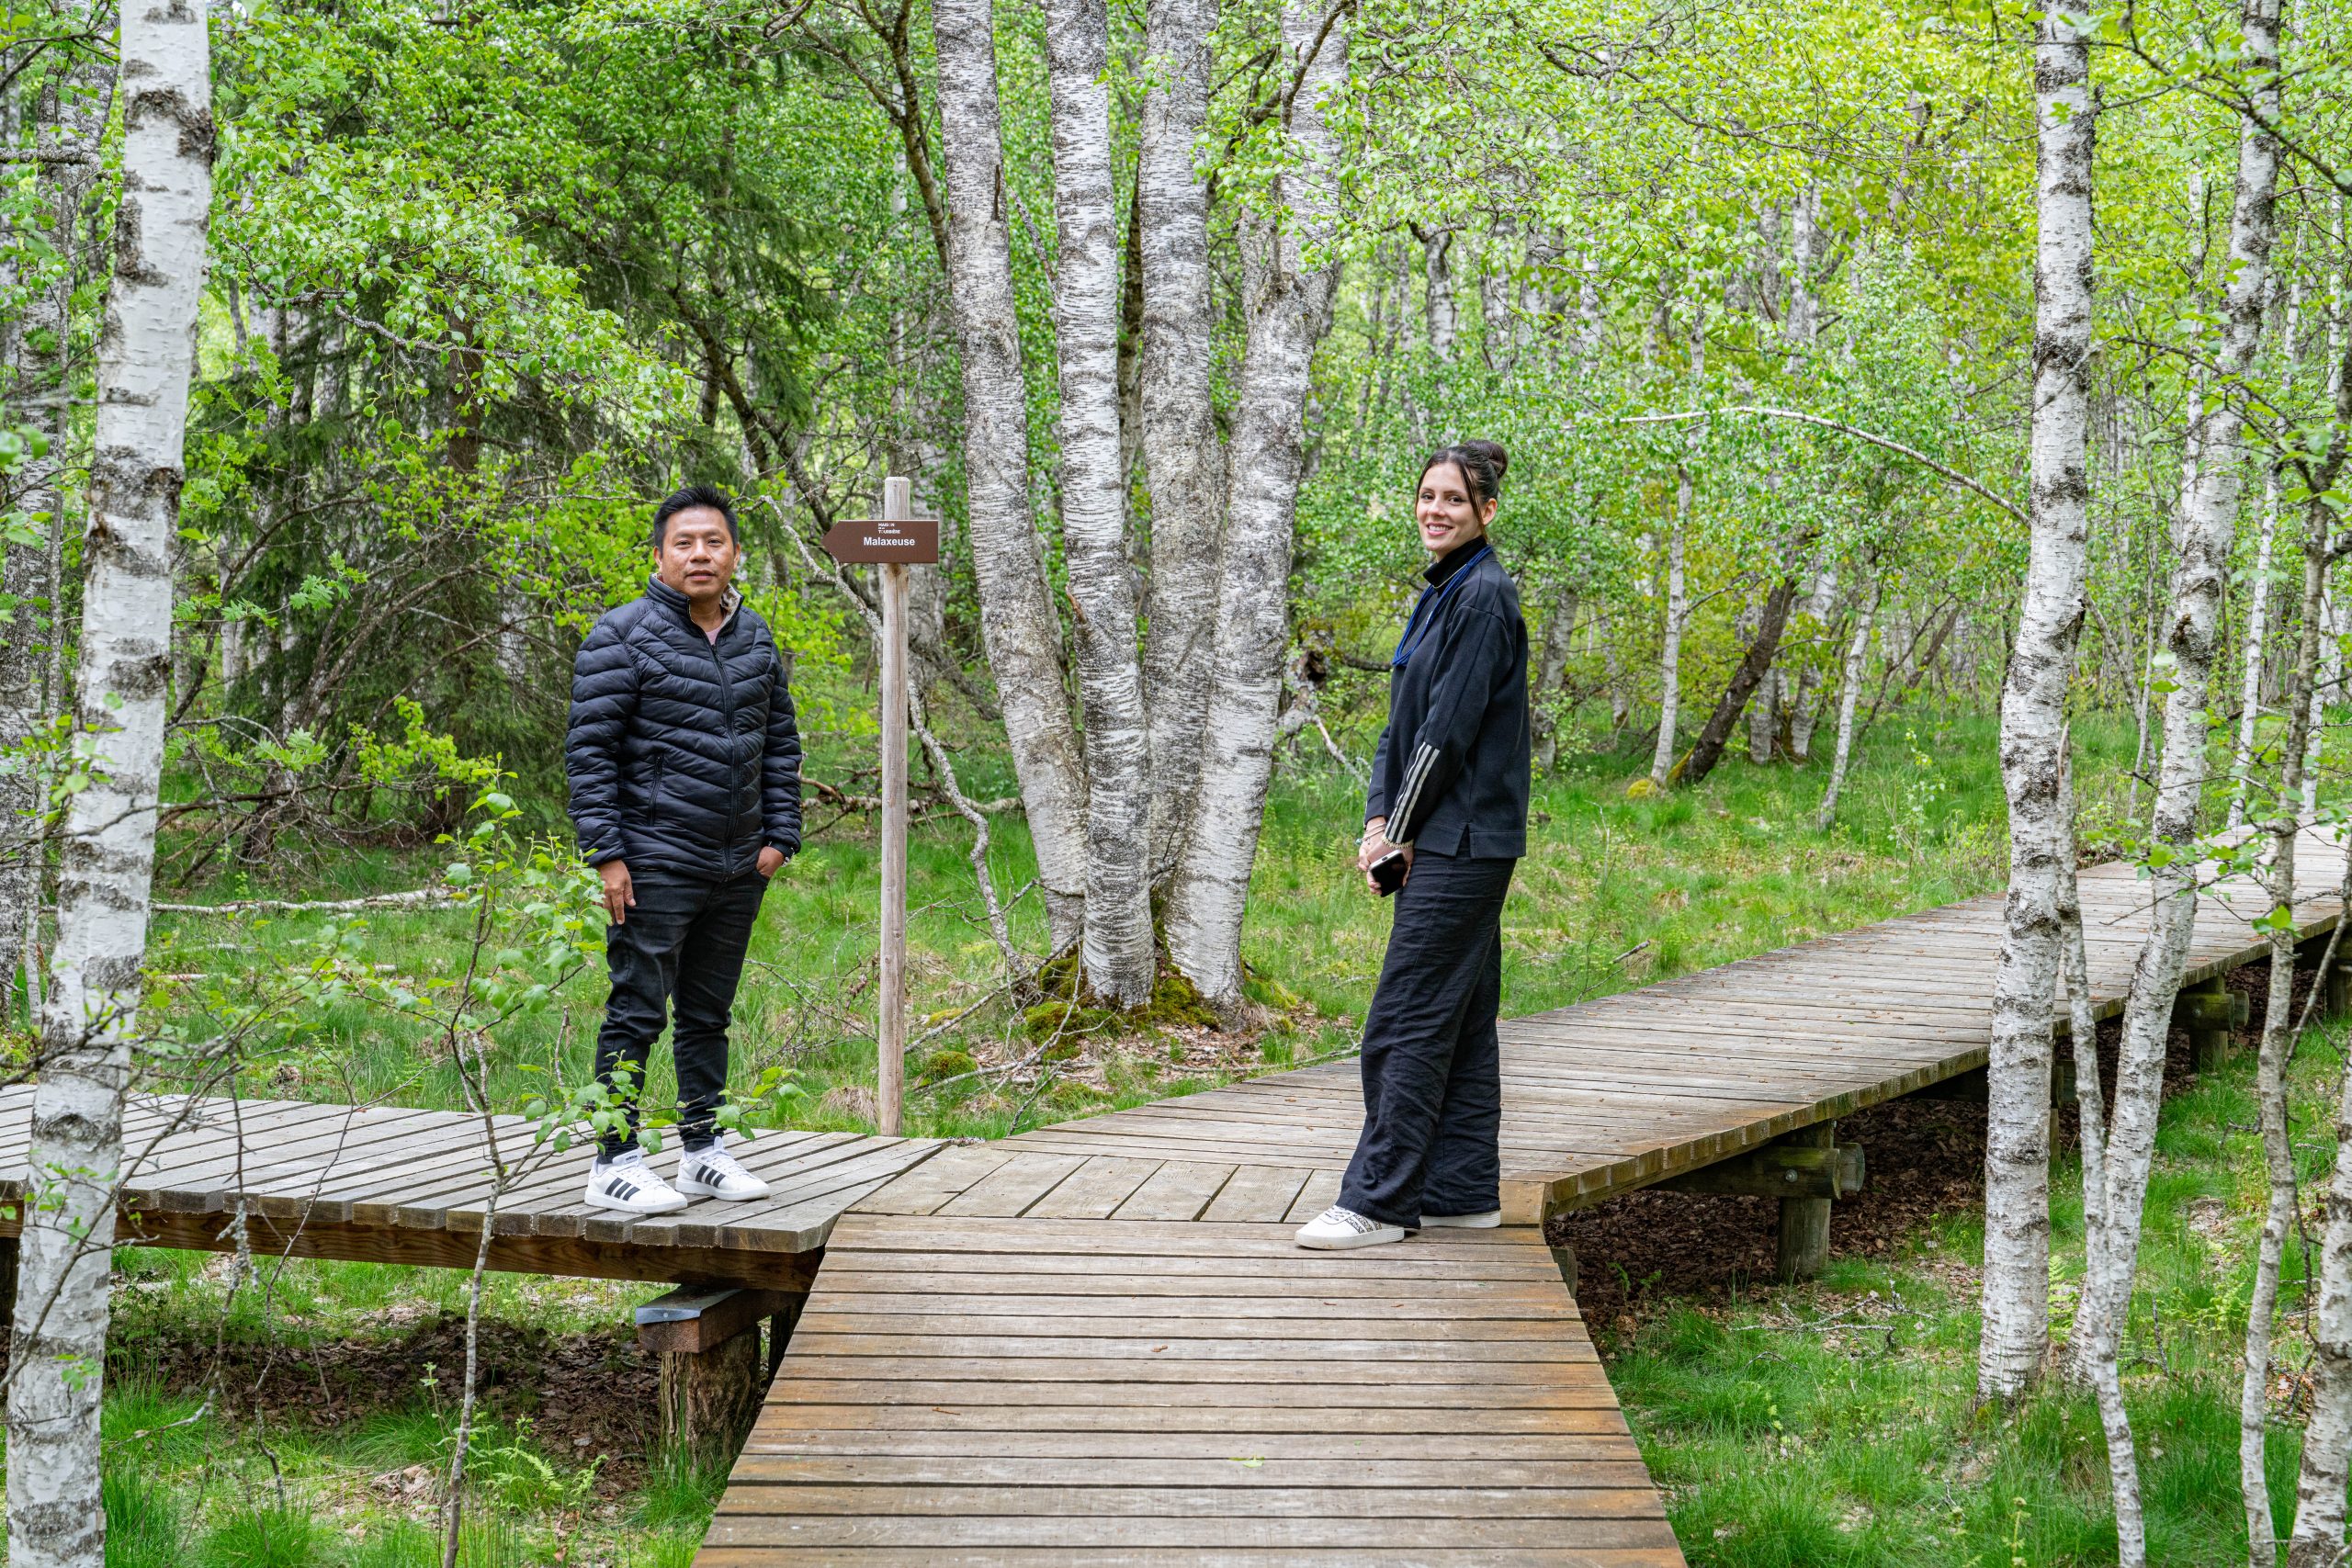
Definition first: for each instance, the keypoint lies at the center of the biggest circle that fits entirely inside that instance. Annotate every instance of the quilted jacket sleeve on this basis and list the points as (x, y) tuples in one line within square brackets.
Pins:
[(604, 701), (780, 772)]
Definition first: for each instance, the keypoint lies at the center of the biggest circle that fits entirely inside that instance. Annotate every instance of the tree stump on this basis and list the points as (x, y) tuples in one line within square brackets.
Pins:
[(1805, 1222)]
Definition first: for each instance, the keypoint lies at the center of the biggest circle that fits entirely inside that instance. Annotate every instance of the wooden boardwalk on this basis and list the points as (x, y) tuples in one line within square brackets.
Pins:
[(1096, 1343), (385, 1185)]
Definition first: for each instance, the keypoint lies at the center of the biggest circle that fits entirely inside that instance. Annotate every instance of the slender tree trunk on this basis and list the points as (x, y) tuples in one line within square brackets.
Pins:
[(2257, 611), (1551, 663), (2122, 1467), (1708, 749), (1850, 690), (145, 358), (1440, 313), (2033, 729), (2284, 823), (2318, 1539), (70, 113), (1018, 625), (2209, 517), (1287, 292), (1677, 612), (1805, 711), (1181, 463), (1764, 719), (1120, 953)]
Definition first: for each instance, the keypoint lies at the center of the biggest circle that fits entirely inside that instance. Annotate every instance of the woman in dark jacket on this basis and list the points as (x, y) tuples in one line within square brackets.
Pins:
[(1448, 808)]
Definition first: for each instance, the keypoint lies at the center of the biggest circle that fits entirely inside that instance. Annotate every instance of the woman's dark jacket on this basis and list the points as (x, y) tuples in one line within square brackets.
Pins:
[(1451, 772), (682, 753)]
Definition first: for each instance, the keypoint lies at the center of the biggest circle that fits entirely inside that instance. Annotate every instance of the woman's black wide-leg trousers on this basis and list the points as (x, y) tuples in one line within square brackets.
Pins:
[(1432, 1066)]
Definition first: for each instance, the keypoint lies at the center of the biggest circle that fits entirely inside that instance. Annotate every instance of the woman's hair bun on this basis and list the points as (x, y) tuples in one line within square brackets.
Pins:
[(1493, 454)]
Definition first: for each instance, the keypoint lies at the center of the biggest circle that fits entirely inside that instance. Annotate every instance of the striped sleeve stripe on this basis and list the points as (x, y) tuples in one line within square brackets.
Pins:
[(1401, 815)]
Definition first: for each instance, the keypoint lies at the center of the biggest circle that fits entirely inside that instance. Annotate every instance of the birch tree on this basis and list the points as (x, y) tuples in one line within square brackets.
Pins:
[(57, 1345), (1850, 690), (1019, 628), (1288, 282), (1121, 956), (2209, 515), (1183, 465), (2033, 722), (2284, 824)]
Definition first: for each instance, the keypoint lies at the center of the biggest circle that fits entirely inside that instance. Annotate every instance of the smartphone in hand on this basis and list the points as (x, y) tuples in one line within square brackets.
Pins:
[(1388, 872)]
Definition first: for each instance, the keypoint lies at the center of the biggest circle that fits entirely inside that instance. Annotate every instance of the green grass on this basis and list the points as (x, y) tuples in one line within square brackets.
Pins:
[(1775, 1446), (1837, 1422)]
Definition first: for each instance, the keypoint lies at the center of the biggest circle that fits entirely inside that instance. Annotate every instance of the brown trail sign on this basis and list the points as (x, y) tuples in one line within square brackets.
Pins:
[(896, 540)]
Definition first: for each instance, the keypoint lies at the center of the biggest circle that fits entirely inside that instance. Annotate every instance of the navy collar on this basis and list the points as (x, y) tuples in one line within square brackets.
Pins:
[(1453, 561), (1445, 576)]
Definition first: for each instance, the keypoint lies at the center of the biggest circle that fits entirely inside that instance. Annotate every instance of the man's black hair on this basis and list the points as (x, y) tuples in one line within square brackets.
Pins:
[(686, 500)]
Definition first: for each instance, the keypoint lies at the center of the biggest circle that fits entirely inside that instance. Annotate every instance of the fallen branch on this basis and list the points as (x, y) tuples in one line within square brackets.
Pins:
[(421, 899), (1954, 475)]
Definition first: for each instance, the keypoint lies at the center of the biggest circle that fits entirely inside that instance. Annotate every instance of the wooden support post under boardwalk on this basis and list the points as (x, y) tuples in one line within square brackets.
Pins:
[(2209, 1009), (1805, 1222), (712, 1374)]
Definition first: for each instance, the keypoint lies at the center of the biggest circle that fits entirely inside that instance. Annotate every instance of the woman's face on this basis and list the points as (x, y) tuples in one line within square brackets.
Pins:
[(1445, 512)]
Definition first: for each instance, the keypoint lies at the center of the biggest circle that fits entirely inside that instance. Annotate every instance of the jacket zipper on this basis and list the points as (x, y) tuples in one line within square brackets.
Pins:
[(727, 727)]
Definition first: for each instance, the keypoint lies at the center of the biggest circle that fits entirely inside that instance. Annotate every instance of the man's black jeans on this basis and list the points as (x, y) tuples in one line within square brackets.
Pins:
[(1432, 1065), (684, 938)]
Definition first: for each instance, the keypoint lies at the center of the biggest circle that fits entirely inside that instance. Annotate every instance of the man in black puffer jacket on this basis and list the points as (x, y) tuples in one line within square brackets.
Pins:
[(685, 765)]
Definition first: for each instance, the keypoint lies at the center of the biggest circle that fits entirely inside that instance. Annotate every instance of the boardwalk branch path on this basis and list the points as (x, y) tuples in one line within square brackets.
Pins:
[(1095, 1342)]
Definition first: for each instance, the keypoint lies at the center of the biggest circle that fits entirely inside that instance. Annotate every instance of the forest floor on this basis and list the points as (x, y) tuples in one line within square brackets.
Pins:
[(305, 1423)]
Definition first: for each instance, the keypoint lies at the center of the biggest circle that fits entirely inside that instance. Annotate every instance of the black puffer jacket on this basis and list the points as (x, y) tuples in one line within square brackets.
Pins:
[(682, 754)]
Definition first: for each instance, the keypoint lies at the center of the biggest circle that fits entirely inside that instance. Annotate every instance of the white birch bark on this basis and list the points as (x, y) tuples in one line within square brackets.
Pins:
[(1551, 664), (2016, 1292), (1677, 587), (1018, 627), (2208, 516), (1182, 466), (1850, 690), (70, 113), (1677, 612), (1287, 291), (1804, 711), (2122, 1462), (2318, 1539), (2257, 610), (1764, 718), (2331, 647), (1119, 954), (145, 358), (1440, 310), (2270, 1074)]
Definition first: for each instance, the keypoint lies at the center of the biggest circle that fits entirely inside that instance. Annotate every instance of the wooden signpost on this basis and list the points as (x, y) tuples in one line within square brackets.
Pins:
[(896, 540)]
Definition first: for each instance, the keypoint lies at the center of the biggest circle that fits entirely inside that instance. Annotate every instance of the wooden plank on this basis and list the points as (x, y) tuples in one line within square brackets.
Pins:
[(1177, 1190), (1008, 1189), (1258, 1192), (936, 1182), (1095, 1189)]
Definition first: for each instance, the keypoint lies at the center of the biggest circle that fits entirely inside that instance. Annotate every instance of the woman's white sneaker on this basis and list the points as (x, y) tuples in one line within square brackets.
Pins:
[(715, 1173), (1336, 1228), (628, 1185), (1485, 1221)]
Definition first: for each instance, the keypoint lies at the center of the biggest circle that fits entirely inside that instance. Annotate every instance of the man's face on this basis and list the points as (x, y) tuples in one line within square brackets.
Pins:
[(698, 555)]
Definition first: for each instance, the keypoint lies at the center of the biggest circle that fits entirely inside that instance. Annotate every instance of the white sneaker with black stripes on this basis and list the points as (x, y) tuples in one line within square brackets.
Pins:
[(715, 1173), (1336, 1228), (627, 1184)]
